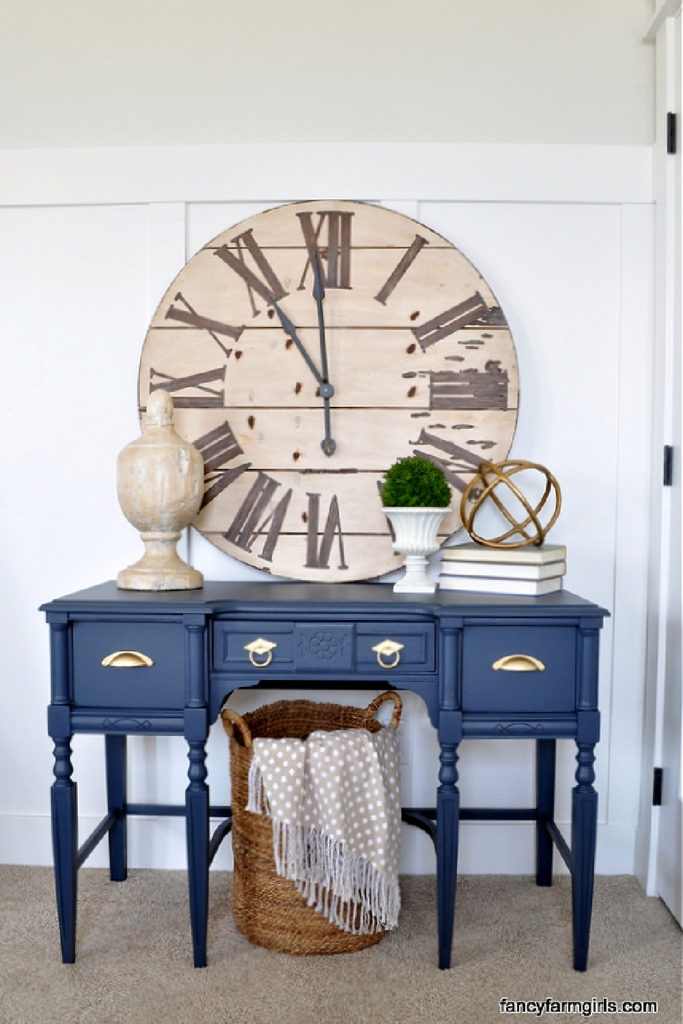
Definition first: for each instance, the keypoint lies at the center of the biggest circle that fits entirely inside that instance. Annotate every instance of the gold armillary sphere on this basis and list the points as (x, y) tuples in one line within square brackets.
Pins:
[(487, 484)]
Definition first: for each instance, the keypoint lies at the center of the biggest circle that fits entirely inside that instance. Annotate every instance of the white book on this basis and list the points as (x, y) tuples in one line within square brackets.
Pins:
[(485, 585), (503, 570), (530, 555)]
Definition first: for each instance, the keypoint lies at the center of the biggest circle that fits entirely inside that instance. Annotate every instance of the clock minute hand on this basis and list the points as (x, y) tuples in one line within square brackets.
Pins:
[(328, 444), (319, 295), (290, 330)]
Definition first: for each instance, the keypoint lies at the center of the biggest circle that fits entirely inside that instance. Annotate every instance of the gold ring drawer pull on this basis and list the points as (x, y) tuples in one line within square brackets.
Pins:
[(260, 648), (127, 659), (388, 649), (519, 663)]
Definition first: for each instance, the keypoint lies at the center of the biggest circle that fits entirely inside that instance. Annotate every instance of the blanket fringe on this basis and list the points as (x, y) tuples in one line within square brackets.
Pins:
[(347, 889), (257, 802)]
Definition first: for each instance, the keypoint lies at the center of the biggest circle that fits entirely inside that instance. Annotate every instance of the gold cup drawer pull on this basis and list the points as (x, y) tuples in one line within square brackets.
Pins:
[(388, 653), (519, 663), (262, 649), (127, 659)]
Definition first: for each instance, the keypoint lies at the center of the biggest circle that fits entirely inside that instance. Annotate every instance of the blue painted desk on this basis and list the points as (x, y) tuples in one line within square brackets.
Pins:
[(125, 663)]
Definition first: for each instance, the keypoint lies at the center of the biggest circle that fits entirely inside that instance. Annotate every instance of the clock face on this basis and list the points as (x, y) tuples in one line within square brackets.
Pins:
[(308, 348)]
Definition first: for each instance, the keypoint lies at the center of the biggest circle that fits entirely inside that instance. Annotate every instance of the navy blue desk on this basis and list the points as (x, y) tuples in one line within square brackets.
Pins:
[(126, 663)]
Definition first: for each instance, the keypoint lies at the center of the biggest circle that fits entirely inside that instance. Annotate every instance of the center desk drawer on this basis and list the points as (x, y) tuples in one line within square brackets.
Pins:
[(519, 668), (369, 647), (129, 665)]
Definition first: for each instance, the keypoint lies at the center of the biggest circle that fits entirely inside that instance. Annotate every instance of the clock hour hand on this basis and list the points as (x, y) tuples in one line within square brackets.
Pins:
[(290, 330), (328, 444)]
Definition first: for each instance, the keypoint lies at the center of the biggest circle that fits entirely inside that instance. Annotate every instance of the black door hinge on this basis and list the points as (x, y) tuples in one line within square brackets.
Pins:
[(668, 467), (657, 787), (671, 132)]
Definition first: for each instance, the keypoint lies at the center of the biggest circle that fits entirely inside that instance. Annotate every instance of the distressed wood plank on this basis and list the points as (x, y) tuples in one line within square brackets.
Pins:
[(361, 512), (214, 291), (291, 557), (269, 369), (368, 439)]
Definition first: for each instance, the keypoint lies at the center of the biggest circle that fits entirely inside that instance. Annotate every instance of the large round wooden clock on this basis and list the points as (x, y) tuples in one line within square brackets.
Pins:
[(308, 348)]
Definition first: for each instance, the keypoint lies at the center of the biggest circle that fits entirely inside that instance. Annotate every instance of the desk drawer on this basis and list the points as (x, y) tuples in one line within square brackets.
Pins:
[(252, 646), (160, 684), (271, 649), (395, 646), (519, 668)]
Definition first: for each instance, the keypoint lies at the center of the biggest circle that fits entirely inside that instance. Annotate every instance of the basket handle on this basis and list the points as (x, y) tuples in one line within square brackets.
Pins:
[(236, 727), (373, 707)]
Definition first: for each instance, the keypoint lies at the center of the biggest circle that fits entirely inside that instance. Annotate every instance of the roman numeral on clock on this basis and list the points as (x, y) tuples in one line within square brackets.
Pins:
[(457, 459), (217, 448), (318, 547), (400, 269), (185, 314), (207, 397), (263, 280), (248, 524), (330, 239), (451, 320), (469, 389)]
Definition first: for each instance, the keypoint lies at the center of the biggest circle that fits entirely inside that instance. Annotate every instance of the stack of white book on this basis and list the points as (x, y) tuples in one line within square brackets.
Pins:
[(525, 571)]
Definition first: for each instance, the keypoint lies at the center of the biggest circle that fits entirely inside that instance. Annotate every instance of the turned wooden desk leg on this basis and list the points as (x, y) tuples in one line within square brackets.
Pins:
[(65, 846), (447, 825), (447, 822), (115, 751), (584, 834), (197, 824), (545, 809)]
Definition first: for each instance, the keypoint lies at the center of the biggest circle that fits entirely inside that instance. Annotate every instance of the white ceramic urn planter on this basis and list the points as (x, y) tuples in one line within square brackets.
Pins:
[(415, 536), (160, 484)]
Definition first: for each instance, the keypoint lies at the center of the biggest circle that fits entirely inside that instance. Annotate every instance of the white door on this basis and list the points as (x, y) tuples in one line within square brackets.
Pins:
[(667, 822)]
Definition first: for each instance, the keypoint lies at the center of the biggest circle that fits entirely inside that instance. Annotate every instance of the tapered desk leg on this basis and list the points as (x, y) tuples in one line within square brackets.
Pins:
[(115, 749), (447, 822), (65, 846), (584, 834), (545, 809), (197, 824)]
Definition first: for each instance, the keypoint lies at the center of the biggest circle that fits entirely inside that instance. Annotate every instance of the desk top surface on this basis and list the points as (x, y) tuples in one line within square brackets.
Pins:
[(216, 598)]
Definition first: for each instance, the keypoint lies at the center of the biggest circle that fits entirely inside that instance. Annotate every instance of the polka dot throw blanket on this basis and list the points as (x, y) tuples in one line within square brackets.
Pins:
[(334, 799)]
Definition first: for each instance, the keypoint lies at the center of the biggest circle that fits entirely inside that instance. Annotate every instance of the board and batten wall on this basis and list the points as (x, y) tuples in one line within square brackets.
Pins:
[(91, 238)]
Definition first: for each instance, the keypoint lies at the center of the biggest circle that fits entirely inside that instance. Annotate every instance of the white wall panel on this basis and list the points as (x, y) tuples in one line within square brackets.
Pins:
[(73, 291)]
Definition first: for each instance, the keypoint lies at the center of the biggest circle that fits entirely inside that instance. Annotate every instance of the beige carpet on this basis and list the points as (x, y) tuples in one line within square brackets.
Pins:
[(512, 941)]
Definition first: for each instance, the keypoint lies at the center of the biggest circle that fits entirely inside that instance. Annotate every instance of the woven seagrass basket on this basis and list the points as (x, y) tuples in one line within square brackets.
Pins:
[(268, 909)]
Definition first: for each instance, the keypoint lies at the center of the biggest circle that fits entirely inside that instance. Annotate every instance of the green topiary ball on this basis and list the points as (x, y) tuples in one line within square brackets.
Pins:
[(415, 482)]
